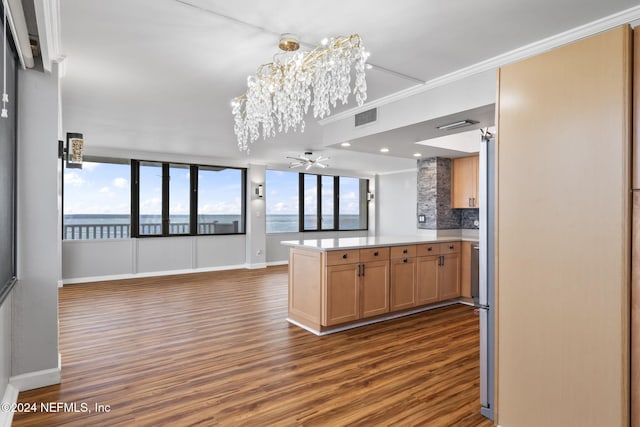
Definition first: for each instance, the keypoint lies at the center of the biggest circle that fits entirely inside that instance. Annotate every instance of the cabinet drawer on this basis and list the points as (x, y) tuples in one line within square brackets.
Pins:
[(449, 248), (427, 249), (374, 254), (342, 257), (408, 251)]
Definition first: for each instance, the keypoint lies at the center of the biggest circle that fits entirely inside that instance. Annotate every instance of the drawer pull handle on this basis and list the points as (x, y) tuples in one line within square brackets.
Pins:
[(404, 260), (429, 249), (404, 251), (451, 247), (344, 256), (375, 254)]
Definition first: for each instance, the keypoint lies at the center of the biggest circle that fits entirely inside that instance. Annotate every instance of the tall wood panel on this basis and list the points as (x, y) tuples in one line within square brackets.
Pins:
[(635, 240), (563, 227)]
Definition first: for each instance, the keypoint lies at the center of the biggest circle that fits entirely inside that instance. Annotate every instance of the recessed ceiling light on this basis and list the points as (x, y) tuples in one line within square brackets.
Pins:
[(384, 150), (417, 155), (346, 144)]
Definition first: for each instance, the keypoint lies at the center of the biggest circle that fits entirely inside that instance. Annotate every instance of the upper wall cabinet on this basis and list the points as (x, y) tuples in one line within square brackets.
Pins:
[(464, 182)]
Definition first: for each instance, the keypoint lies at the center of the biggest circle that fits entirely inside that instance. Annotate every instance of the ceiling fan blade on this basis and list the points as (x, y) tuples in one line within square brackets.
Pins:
[(322, 165), (308, 166)]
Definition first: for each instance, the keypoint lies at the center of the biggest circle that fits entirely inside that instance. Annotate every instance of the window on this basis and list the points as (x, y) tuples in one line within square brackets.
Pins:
[(150, 199), (179, 199), (309, 191), (298, 202), (326, 185), (176, 199), (97, 200), (220, 200), (353, 203), (281, 201)]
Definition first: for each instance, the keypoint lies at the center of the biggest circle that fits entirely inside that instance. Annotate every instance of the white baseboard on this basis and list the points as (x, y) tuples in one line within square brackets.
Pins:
[(152, 274), (11, 397), (274, 263), (257, 265), (38, 379)]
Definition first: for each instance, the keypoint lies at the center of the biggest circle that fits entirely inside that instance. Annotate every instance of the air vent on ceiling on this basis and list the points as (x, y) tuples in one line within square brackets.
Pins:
[(365, 117)]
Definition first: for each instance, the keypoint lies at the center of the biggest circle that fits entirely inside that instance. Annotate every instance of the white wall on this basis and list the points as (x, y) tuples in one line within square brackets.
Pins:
[(277, 253), (102, 259), (5, 341), (35, 296), (256, 223), (396, 198), (471, 92)]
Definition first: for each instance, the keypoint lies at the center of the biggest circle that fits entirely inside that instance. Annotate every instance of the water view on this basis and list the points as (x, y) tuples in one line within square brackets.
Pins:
[(101, 226)]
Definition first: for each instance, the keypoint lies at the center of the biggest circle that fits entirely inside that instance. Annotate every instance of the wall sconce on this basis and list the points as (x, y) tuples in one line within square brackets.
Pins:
[(73, 150), (369, 196), (259, 191)]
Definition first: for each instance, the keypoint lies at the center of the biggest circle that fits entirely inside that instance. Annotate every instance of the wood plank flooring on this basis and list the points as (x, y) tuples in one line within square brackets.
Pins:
[(215, 349)]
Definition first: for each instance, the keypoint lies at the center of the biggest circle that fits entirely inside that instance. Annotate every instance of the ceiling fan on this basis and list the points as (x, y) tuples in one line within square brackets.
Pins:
[(307, 162)]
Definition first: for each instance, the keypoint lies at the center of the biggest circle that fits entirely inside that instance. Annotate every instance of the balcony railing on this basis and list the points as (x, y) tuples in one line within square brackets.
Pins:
[(121, 231)]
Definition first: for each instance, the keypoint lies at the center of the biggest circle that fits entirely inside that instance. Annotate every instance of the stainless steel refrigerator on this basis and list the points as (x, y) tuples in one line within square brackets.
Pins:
[(487, 273)]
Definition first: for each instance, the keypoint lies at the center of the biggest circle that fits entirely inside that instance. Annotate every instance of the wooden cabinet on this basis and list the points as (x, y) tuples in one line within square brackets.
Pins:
[(403, 277), (374, 288), (427, 286), (465, 269), (342, 299), (329, 288), (449, 277), (438, 272), (464, 182), (356, 285)]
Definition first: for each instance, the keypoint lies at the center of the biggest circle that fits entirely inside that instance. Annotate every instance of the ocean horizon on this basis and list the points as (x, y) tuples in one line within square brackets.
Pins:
[(117, 225)]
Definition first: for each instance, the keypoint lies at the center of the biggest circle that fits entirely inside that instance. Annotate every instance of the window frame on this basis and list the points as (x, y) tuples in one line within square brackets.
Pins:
[(193, 199), (92, 159), (336, 204)]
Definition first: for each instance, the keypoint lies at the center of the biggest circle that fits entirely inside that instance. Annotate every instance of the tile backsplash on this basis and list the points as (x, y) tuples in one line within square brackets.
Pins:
[(434, 198)]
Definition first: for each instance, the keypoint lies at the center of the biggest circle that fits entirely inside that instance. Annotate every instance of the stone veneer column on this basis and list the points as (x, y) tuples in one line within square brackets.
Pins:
[(434, 195)]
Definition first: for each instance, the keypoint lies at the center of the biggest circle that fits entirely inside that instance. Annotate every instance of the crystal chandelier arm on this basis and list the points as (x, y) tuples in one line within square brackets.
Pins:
[(281, 92)]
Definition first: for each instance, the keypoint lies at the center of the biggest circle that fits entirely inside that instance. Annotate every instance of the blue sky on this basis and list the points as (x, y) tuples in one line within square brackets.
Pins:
[(282, 193), (97, 188), (104, 188)]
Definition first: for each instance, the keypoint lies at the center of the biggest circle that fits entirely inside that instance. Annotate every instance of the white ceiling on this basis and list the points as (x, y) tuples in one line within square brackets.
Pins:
[(158, 75)]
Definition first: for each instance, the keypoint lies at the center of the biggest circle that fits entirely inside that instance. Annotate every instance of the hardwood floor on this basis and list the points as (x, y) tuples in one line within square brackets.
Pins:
[(215, 349)]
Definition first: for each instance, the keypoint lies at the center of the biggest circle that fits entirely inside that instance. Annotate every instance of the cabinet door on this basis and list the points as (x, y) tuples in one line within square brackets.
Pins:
[(427, 286), (449, 277), (341, 301), (476, 181), (403, 280), (374, 293), (465, 270), (464, 182)]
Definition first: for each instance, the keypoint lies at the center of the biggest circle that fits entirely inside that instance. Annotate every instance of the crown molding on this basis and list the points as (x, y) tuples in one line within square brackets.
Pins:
[(48, 20), (625, 17)]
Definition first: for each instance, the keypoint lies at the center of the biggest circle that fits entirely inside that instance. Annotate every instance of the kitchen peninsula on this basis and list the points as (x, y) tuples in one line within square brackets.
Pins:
[(337, 284)]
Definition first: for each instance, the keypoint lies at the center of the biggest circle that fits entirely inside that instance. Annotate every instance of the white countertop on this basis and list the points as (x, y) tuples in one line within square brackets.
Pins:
[(364, 242)]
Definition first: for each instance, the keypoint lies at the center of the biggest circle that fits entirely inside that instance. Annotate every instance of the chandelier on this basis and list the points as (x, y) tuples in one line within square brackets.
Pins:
[(280, 93)]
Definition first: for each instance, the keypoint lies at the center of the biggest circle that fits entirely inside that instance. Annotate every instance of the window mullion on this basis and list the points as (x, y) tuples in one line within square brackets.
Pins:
[(193, 200), (135, 199), (301, 202), (319, 202), (165, 199)]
